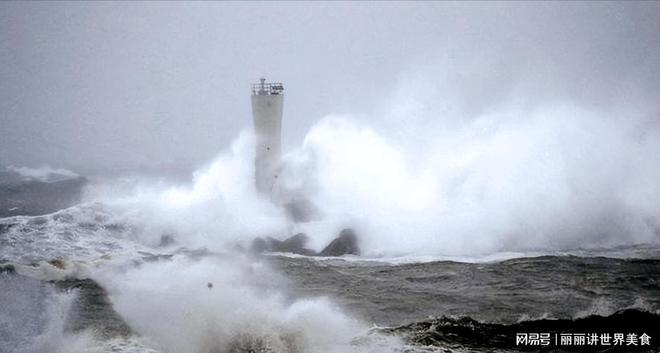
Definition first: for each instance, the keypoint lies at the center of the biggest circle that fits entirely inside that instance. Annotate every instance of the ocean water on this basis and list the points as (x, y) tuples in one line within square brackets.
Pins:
[(83, 279)]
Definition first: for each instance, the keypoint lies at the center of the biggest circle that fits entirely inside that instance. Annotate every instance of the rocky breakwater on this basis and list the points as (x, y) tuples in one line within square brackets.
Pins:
[(346, 243)]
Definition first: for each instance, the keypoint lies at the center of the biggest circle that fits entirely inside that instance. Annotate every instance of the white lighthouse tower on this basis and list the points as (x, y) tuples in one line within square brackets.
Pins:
[(267, 99)]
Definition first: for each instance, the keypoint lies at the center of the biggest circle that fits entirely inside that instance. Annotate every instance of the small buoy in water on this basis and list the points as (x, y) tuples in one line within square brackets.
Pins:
[(209, 285)]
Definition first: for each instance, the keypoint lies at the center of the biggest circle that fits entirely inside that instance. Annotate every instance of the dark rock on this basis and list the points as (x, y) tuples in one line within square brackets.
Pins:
[(59, 263), (7, 269), (91, 304), (295, 244), (259, 245), (344, 244)]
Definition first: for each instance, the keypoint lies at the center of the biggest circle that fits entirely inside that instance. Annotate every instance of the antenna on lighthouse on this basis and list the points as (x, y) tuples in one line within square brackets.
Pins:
[(267, 104)]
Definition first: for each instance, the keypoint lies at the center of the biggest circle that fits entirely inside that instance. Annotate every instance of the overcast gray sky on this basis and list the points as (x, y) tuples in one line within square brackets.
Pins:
[(102, 85)]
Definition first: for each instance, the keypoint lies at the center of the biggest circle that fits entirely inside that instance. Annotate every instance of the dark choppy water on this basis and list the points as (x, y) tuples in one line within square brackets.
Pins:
[(558, 287), (481, 306), (67, 305)]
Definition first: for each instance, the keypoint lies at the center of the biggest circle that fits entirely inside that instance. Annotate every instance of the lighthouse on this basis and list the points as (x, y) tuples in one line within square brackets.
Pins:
[(267, 103)]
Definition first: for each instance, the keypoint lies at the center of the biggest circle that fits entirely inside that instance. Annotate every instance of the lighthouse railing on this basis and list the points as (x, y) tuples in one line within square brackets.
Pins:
[(263, 89)]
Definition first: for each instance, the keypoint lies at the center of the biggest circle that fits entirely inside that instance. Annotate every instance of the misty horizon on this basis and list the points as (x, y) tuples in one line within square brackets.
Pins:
[(97, 87)]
